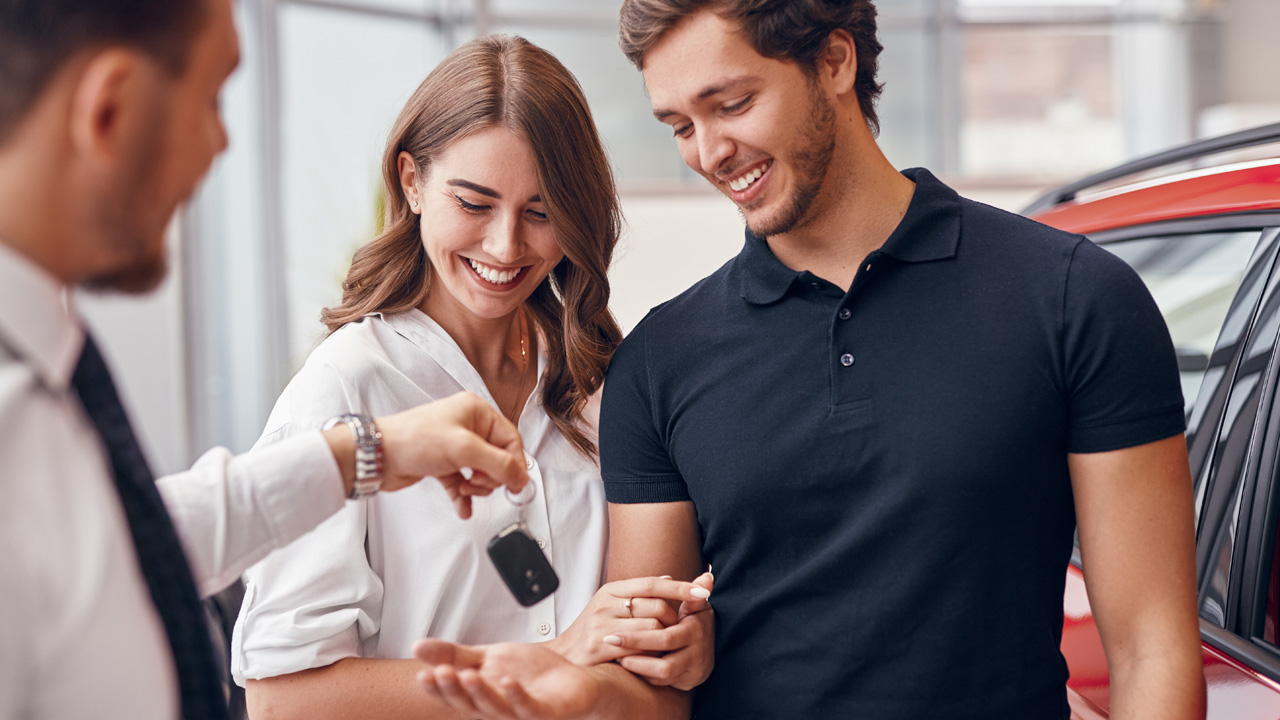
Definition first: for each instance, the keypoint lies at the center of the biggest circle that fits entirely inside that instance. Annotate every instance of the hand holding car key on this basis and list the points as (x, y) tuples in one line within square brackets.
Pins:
[(519, 560)]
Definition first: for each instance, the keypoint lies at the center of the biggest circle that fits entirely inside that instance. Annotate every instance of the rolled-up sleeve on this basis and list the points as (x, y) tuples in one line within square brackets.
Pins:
[(310, 604)]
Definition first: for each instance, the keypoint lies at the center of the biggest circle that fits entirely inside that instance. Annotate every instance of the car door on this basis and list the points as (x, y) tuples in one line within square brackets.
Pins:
[(1214, 282)]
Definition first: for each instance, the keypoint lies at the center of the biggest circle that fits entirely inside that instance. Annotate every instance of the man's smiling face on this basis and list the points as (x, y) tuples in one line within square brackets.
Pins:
[(758, 129)]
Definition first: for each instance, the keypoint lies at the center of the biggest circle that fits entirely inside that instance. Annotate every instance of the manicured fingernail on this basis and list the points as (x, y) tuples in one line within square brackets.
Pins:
[(664, 577), (612, 640), (700, 593)]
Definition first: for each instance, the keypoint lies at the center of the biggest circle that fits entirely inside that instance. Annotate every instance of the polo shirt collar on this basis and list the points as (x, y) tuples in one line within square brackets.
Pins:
[(36, 323), (930, 230)]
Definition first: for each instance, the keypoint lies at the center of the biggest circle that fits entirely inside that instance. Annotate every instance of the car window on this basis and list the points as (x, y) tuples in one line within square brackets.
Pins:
[(1192, 278)]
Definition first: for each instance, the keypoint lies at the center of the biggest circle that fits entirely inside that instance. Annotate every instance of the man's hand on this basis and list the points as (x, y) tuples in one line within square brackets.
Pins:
[(507, 681), (440, 439), (639, 615)]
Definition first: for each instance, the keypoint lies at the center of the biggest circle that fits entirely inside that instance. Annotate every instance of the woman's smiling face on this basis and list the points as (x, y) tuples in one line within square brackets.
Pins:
[(484, 224)]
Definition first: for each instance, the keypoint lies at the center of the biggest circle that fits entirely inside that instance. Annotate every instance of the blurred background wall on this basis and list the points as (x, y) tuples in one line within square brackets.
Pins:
[(1001, 98)]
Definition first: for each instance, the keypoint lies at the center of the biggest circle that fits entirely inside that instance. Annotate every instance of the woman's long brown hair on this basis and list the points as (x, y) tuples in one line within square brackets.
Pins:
[(507, 81)]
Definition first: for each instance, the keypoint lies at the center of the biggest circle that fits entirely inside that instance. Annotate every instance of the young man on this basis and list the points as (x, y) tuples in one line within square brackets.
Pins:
[(108, 119), (882, 421)]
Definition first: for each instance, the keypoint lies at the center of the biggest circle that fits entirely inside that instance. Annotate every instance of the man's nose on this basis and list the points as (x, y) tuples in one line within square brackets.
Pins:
[(714, 148)]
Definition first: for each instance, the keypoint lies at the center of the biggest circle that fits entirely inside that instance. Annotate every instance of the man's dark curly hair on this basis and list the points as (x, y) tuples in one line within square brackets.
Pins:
[(37, 37), (792, 30)]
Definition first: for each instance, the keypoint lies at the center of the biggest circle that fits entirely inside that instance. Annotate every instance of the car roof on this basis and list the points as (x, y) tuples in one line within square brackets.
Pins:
[(1128, 195)]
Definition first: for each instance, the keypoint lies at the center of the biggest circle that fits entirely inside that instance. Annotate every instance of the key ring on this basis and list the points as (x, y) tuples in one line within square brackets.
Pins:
[(522, 498)]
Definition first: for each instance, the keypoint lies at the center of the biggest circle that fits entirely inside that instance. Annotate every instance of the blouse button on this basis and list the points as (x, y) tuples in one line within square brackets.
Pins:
[(845, 313), (846, 360), (543, 629), (542, 544), (528, 463)]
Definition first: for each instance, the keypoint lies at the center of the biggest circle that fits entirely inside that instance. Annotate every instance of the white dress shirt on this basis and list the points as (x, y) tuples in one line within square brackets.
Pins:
[(79, 635), (384, 572)]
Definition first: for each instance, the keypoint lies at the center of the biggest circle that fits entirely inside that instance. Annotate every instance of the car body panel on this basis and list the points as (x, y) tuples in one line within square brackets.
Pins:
[(1235, 691), (1248, 187)]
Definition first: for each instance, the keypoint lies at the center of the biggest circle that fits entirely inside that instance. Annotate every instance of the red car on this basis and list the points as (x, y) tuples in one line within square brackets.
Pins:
[(1201, 225)]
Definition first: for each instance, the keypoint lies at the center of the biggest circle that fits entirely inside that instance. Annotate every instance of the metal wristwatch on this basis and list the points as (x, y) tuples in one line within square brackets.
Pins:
[(368, 478)]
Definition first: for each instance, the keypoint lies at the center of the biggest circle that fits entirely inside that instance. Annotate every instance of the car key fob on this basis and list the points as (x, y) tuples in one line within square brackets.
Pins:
[(522, 565)]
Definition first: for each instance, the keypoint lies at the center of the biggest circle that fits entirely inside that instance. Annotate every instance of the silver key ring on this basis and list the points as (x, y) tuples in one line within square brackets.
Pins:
[(524, 497)]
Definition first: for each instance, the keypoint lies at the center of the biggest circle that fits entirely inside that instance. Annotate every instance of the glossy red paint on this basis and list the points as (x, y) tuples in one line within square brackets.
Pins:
[(1235, 691), (1241, 188)]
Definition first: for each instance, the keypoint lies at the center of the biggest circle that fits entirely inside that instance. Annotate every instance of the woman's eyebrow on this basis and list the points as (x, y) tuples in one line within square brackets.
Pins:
[(458, 182)]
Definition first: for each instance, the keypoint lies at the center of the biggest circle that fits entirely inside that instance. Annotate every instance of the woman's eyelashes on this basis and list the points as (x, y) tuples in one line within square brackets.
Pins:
[(535, 215), (470, 207)]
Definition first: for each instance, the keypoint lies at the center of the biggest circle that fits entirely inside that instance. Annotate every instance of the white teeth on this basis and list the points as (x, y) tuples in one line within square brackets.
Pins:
[(494, 275), (746, 181)]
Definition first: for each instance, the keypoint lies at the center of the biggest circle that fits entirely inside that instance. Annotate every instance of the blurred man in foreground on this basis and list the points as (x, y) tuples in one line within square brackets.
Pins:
[(108, 120)]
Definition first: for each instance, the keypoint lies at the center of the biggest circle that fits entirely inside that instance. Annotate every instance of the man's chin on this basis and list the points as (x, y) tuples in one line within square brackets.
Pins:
[(137, 279)]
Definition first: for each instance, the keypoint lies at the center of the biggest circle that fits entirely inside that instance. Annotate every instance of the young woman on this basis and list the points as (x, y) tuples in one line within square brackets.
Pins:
[(490, 278)]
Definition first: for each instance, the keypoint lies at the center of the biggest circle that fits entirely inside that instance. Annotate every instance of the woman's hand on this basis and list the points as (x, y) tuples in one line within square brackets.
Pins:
[(680, 655), (620, 609)]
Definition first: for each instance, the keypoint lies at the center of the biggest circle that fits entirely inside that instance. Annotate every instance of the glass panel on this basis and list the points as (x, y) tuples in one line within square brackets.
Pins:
[(1193, 279), (576, 9), (907, 103), (639, 147), (1037, 100), (411, 6), (336, 109), (1231, 458)]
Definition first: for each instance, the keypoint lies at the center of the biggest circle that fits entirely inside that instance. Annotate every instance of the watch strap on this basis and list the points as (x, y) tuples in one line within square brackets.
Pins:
[(368, 478)]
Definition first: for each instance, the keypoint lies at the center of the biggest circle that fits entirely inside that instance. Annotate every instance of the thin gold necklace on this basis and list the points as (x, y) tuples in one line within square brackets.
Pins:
[(524, 365)]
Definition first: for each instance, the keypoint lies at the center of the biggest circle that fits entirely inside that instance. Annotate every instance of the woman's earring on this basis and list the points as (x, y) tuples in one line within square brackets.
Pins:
[(414, 204)]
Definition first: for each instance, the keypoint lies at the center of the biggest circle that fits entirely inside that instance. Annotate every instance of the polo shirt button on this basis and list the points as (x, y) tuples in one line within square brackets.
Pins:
[(542, 544), (845, 313), (815, 285), (543, 628), (846, 359), (528, 463)]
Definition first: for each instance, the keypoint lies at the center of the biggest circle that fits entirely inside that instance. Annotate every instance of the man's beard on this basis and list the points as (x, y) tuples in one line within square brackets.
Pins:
[(809, 161), (137, 278), (124, 223)]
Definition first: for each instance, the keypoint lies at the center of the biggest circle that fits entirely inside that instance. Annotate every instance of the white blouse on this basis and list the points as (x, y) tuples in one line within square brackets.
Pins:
[(384, 572)]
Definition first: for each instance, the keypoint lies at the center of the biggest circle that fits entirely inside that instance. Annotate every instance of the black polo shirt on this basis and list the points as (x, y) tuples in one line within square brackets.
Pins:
[(880, 476)]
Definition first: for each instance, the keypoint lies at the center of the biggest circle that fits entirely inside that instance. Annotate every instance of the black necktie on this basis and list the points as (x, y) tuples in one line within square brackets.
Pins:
[(164, 565)]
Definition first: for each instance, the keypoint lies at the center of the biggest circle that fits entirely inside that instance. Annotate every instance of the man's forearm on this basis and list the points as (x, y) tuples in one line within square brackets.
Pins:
[(1158, 684)]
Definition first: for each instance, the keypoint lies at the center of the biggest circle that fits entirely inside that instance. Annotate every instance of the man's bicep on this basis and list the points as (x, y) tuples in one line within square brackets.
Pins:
[(647, 539)]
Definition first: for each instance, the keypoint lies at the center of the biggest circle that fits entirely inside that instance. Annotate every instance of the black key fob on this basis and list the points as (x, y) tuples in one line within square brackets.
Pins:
[(522, 565)]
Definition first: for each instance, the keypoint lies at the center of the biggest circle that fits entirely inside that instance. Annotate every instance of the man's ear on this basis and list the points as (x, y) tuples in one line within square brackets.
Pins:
[(838, 64), (110, 103), (409, 179)]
